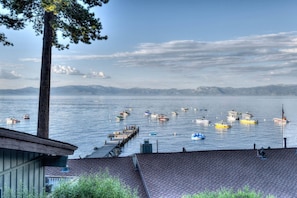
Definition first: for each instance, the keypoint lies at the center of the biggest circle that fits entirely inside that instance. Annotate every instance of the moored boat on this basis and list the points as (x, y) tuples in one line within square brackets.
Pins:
[(147, 113), (203, 121), (185, 109), (198, 136), (26, 117), (222, 125), (12, 121), (163, 118), (248, 121), (233, 115), (282, 120)]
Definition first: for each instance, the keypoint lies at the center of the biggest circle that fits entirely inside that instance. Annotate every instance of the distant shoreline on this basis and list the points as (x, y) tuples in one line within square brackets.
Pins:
[(271, 90)]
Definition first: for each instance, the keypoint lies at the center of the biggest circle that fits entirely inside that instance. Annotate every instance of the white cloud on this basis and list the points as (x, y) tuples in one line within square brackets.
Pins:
[(60, 69), (4, 74), (96, 75)]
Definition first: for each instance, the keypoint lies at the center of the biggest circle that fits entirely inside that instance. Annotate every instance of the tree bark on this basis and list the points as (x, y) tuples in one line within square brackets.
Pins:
[(45, 78)]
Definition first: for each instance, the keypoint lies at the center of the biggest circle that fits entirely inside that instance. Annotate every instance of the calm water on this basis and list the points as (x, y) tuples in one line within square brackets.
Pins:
[(86, 121)]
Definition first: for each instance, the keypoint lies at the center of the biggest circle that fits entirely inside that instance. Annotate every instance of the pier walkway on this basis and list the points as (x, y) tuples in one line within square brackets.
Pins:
[(112, 148)]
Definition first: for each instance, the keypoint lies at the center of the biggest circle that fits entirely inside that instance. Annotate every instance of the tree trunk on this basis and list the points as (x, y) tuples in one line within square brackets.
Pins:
[(45, 78)]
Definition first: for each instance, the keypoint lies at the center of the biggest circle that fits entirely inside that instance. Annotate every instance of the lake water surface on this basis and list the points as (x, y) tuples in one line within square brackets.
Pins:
[(86, 121)]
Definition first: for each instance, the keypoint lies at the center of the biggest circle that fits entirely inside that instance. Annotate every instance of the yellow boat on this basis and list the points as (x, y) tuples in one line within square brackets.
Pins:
[(222, 125), (248, 121)]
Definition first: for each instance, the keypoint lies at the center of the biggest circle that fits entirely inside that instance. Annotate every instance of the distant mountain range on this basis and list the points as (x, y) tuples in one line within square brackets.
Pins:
[(271, 90)]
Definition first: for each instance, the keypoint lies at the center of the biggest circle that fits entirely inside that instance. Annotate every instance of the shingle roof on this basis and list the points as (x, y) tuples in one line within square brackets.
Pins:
[(176, 174)]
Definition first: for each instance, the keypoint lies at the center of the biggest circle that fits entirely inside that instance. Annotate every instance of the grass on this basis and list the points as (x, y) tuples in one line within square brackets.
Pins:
[(228, 193)]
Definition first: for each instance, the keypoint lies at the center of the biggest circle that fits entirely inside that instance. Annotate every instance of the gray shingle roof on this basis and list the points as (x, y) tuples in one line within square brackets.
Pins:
[(177, 174)]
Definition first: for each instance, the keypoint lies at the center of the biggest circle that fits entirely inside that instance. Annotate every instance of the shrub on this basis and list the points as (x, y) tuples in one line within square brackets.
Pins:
[(93, 186)]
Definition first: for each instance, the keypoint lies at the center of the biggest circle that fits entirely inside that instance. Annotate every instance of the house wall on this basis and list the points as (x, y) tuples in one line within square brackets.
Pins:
[(20, 172)]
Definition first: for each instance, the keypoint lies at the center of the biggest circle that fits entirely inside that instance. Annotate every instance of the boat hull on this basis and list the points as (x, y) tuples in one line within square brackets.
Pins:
[(244, 121)]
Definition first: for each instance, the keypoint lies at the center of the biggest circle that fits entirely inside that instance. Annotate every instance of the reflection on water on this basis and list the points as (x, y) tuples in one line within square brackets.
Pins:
[(86, 121)]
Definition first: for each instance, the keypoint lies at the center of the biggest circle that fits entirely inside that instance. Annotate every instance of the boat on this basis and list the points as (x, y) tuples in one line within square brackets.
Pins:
[(147, 113), (154, 115), (26, 117), (248, 121), (12, 121), (119, 118), (185, 109), (202, 121), (174, 113), (125, 113), (163, 118), (247, 116), (197, 136), (233, 115), (153, 133), (222, 125), (282, 120), (232, 118)]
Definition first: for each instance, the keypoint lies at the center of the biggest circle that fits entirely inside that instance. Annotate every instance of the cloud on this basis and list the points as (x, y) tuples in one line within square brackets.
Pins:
[(96, 75), (4, 74), (59, 69)]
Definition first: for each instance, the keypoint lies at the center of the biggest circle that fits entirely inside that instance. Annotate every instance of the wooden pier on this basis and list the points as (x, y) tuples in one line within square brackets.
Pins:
[(118, 139)]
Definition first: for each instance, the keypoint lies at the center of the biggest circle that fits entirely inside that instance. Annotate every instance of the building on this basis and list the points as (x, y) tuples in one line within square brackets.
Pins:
[(271, 171), (23, 158)]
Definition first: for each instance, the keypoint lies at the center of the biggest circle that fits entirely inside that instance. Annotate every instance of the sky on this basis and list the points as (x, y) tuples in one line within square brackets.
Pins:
[(168, 44)]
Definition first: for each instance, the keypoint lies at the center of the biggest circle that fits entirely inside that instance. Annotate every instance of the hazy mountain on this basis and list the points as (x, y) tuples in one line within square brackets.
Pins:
[(271, 90)]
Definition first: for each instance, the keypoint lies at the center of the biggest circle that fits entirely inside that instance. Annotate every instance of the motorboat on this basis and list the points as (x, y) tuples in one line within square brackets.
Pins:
[(198, 136), (147, 113), (233, 115), (26, 117), (203, 121), (119, 118), (247, 116), (248, 121), (12, 121), (163, 118), (174, 113), (232, 118), (185, 109), (222, 125), (154, 115), (125, 113)]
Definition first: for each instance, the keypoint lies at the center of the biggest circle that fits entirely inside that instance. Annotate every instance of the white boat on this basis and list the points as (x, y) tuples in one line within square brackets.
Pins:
[(185, 109), (154, 115), (202, 121), (26, 117), (12, 121), (282, 120), (174, 113), (197, 136), (125, 113), (233, 115), (232, 118), (247, 116)]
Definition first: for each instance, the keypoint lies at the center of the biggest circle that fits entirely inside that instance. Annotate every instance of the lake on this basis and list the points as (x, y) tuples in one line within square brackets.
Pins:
[(86, 121)]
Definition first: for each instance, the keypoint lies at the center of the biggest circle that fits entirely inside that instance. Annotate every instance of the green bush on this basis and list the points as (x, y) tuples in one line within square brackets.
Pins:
[(225, 193), (92, 186)]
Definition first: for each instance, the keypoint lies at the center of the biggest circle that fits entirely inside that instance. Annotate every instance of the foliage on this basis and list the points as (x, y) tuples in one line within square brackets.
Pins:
[(227, 193), (73, 19), (93, 186)]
